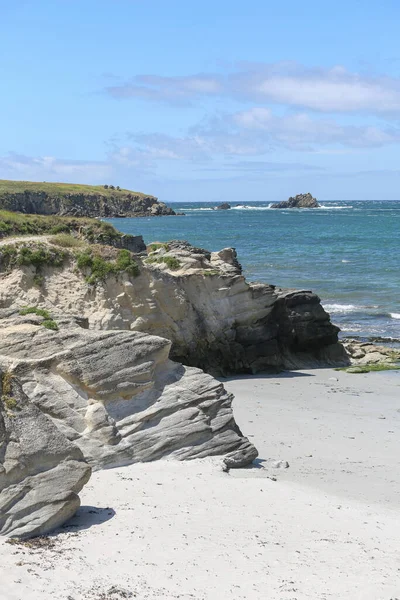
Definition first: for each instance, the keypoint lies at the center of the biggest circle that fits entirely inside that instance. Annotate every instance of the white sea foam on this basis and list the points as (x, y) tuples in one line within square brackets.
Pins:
[(246, 207), (345, 261), (324, 207), (341, 308), (395, 315)]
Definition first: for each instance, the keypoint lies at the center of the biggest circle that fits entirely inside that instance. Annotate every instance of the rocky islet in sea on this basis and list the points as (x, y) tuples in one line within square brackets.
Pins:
[(299, 201)]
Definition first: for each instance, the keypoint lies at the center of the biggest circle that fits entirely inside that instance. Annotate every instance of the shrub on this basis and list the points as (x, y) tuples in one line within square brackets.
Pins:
[(101, 268), (125, 262), (41, 256), (66, 241), (62, 228), (105, 187), (84, 260)]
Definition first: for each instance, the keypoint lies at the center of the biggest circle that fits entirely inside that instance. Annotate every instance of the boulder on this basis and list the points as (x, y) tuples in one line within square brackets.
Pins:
[(299, 201), (117, 396), (41, 472), (223, 206)]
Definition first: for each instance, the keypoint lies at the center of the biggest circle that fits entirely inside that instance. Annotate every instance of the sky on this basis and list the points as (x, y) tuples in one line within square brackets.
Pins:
[(204, 101)]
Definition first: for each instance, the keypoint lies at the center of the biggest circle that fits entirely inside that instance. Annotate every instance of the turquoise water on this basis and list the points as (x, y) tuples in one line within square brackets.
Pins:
[(346, 252)]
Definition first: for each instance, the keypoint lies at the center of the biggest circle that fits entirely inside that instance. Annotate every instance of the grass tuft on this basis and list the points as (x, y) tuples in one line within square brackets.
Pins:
[(48, 321), (65, 240), (34, 310), (172, 263)]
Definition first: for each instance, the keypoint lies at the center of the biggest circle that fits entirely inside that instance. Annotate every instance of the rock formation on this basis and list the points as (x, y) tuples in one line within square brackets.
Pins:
[(78, 201), (198, 300), (223, 206), (41, 472), (116, 394), (299, 201)]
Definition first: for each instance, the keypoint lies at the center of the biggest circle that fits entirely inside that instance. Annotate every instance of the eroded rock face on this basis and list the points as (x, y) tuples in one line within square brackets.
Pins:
[(117, 396), (41, 472), (84, 204), (299, 201), (214, 319)]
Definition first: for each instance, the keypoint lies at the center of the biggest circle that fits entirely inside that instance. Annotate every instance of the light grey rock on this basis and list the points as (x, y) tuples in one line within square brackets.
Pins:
[(41, 472), (118, 397)]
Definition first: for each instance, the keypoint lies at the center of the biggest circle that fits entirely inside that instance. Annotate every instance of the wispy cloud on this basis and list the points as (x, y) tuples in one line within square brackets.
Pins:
[(256, 132), (285, 83), (48, 168)]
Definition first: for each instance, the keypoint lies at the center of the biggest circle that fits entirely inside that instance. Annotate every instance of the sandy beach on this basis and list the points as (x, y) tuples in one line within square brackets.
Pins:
[(327, 527)]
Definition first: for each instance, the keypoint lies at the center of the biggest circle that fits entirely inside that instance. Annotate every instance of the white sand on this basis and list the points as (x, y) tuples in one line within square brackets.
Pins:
[(328, 528)]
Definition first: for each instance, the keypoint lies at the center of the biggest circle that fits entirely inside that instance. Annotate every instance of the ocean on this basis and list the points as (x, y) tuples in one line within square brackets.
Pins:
[(346, 252)]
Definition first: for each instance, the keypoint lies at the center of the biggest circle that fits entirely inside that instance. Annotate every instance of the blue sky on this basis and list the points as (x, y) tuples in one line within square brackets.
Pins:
[(213, 100)]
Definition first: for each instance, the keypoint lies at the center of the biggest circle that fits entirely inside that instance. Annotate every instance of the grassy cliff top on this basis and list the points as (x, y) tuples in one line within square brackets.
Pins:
[(62, 189), (17, 224)]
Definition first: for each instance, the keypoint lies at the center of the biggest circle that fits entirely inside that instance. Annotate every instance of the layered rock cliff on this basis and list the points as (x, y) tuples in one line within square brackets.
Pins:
[(198, 300), (78, 200)]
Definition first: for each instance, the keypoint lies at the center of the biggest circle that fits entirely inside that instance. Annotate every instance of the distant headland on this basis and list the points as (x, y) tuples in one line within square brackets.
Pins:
[(70, 199)]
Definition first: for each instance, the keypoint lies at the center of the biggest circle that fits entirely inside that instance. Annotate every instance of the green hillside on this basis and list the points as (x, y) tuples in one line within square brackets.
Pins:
[(62, 189)]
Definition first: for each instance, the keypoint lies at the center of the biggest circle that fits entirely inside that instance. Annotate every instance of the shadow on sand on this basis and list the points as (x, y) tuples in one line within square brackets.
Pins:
[(88, 516), (272, 376)]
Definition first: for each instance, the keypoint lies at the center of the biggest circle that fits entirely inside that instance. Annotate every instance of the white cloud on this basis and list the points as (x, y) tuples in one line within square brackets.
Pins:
[(168, 89), (285, 83), (301, 130)]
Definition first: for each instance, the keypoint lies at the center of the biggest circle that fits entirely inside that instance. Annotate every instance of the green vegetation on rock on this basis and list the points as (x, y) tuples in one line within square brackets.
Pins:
[(48, 321), (37, 255), (158, 246), (7, 399), (100, 267), (34, 310), (65, 240), (172, 263)]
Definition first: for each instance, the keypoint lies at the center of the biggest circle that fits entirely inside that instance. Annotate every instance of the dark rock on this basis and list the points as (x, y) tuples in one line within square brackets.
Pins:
[(299, 201), (223, 206)]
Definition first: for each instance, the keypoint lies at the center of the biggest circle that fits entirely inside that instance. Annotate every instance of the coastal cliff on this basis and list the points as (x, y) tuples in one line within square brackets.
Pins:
[(78, 200), (199, 300)]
